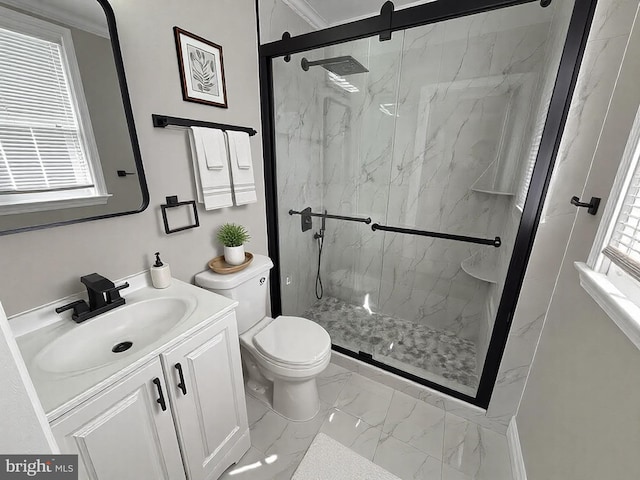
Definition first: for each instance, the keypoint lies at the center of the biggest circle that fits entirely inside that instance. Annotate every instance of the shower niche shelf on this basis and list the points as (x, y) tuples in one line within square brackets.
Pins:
[(489, 183), (481, 266)]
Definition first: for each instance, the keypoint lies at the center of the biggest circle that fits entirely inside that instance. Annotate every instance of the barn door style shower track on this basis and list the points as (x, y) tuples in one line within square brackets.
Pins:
[(384, 26)]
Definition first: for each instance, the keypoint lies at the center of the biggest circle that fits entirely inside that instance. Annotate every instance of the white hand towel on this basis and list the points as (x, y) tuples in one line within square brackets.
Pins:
[(211, 167), (244, 185), (215, 148)]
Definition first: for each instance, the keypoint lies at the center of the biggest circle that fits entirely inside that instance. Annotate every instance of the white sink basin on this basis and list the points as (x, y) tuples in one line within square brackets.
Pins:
[(113, 335)]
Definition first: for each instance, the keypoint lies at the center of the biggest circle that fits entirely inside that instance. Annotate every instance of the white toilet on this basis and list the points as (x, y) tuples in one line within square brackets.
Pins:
[(281, 357)]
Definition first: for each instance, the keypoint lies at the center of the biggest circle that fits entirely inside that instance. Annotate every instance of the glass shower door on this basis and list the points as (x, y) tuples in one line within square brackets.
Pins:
[(333, 155), (412, 158), (473, 99)]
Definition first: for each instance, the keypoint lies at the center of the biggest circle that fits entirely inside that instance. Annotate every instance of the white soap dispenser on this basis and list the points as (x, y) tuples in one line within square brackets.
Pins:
[(160, 273)]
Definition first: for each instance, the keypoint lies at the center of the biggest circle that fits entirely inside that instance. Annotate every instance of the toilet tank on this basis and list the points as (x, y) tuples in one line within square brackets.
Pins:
[(249, 287)]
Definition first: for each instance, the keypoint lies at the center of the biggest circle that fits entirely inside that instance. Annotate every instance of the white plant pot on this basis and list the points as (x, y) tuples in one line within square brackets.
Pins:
[(234, 255)]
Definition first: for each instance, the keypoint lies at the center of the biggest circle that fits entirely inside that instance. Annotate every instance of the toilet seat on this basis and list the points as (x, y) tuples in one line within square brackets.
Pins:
[(275, 340), (293, 342)]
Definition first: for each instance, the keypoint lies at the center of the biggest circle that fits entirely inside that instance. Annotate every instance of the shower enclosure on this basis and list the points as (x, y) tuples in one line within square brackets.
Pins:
[(407, 160)]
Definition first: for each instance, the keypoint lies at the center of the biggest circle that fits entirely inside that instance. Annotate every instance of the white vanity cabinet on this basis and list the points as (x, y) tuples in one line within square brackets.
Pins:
[(204, 378), (123, 433)]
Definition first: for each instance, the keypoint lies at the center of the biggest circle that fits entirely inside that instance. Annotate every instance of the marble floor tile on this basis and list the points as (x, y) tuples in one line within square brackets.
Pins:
[(352, 432), (255, 465), (296, 437), (406, 436), (475, 451), (416, 423), (449, 473), (365, 399), (267, 430), (405, 461), (255, 409), (331, 382)]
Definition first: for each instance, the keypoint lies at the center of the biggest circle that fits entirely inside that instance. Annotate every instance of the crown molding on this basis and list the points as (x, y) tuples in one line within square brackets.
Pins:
[(307, 13)]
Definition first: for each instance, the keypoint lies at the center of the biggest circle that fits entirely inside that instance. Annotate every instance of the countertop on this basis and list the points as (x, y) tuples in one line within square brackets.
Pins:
[(61, 392)]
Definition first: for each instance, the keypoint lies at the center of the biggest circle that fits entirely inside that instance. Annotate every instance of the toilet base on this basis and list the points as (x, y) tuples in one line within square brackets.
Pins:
[(297, 401), (294, 399)]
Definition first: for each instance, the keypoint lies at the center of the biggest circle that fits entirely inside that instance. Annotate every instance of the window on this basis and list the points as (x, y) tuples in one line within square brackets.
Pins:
[(624, 242), (616, 252), (612, 273), (48, 156)]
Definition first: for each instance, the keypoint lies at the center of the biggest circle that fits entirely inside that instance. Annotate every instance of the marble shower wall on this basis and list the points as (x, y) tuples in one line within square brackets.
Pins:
[(298, 125), (540, 99)]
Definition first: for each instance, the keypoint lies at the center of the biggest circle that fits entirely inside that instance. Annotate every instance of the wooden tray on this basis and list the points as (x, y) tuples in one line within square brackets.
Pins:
[(218, 264)]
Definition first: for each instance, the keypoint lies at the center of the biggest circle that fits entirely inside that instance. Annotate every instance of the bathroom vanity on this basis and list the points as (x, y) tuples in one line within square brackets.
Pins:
[(169, 405)]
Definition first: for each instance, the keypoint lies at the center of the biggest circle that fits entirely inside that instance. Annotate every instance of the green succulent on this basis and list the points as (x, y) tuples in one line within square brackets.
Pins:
[(232, 235)]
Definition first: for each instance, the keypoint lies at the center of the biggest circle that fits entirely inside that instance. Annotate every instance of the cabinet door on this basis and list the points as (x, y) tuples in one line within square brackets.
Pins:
[(209, 407), (123, 433)]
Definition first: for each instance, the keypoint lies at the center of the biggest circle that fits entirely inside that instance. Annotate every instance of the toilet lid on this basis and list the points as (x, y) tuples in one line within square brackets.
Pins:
[(293, 340)]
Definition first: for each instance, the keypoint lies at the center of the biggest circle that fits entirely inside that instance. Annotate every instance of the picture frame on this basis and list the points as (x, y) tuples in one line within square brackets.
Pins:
[(201, 69)]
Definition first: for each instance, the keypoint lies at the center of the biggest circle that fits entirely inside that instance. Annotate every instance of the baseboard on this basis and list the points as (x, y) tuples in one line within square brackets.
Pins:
[(515, 451)]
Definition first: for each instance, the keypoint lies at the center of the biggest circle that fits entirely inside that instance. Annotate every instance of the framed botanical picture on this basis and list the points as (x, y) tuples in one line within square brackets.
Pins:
[(201, 69)]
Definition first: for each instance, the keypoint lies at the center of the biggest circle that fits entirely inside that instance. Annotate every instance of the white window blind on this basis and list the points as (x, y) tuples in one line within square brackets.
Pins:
[(41, 145), (530, 161), (624, 244)]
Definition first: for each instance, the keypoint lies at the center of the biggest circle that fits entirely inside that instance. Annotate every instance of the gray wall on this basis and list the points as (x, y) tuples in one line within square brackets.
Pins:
[(578, 418), (102, 91), (41, 266)]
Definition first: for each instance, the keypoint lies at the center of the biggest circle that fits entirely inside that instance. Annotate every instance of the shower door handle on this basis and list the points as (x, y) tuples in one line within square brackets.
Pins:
[(592, 206)]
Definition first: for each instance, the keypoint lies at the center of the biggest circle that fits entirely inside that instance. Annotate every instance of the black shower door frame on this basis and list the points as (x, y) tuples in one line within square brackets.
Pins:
[(384, 25)]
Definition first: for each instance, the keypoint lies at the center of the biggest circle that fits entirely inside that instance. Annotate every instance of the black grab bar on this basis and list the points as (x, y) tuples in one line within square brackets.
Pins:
[(306, 214), (330, 215), (496, 242)]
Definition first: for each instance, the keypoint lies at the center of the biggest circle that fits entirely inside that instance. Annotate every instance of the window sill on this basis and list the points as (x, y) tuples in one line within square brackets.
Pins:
[(624, 313), (57, 204)]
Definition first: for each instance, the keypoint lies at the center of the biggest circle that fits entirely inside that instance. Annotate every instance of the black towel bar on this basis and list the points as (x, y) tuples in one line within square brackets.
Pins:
[(161, 121)]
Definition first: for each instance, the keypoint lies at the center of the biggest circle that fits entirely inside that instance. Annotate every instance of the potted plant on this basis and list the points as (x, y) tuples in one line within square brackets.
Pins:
[(233, 237)]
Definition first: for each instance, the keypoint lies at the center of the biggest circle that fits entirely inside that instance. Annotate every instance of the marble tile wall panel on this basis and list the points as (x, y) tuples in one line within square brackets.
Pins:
[(356, 165), (433, 172), (276, 18), (298, 126), (603, 54), (339, 195), (546, 49)]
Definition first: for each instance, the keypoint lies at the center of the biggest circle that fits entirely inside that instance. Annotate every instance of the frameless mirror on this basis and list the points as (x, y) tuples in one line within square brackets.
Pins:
[(68, 146)]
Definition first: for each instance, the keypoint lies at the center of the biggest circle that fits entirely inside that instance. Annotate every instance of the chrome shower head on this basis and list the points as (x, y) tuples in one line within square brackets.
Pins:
[(342, 66)]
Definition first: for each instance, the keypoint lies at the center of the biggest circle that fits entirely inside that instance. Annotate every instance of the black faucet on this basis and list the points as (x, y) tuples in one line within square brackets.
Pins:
[(103, 296)]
